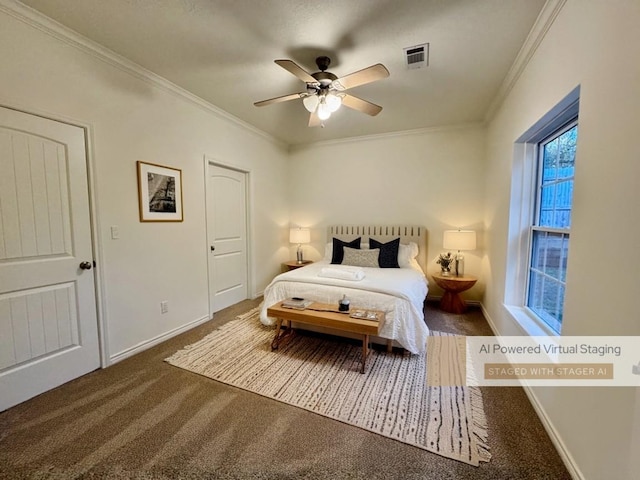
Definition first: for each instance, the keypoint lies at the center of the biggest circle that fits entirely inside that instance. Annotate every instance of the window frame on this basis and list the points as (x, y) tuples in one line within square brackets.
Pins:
[(536, 214), (522, 210)]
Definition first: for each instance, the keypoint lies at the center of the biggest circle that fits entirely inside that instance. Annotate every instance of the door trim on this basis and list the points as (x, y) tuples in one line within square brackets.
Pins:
[(212, 161), (93, 212)]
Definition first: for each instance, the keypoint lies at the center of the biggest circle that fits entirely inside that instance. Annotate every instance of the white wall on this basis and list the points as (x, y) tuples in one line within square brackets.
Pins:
[(595, 45), (130, 118), (431, 178)]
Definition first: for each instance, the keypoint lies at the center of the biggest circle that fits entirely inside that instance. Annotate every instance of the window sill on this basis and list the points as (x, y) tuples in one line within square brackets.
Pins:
[(528, 322)]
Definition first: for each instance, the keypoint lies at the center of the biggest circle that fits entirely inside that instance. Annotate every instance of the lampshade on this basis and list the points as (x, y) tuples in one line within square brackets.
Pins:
[(324, 111), (299, 235), (333, 101), (459, 240), (310, 102)]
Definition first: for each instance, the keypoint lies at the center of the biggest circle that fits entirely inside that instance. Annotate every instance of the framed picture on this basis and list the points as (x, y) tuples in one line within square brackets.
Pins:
[(159, 193)]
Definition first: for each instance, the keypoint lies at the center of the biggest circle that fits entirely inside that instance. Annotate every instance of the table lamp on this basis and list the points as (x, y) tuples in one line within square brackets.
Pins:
[(459, 240), (299, 236)]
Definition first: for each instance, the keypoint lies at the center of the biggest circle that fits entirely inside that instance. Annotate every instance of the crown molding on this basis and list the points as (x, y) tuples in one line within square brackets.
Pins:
[(543, 23), (41, 22)]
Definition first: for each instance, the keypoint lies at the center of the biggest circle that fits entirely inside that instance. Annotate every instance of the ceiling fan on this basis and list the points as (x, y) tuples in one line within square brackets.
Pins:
[(325, 91)]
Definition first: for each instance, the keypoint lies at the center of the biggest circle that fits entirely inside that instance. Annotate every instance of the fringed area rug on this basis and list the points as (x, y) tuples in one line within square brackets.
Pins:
[(322, 375)]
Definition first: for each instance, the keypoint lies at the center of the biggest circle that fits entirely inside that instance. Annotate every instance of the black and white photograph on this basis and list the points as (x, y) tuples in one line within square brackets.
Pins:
[(160, 193)]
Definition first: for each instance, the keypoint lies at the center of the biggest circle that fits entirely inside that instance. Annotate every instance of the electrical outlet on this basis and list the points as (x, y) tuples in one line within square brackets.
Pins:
[(164, 306), (115, 232), (636, 369)]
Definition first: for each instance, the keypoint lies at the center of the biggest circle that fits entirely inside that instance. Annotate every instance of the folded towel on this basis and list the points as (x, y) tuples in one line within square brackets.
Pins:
[(343, 273)]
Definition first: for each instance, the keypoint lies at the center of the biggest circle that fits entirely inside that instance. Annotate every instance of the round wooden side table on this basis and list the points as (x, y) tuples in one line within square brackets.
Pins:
[(451, 301), (287, 266)]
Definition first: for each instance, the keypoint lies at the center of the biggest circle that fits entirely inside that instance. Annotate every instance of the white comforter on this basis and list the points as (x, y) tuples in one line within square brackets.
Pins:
[(399, 292)]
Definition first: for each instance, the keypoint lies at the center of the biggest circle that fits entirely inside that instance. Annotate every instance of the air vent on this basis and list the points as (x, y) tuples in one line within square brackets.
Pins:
[(417, 56)]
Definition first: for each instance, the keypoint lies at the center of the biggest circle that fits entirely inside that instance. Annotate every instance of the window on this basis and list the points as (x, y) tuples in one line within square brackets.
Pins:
[(550, 229), (540, 211)]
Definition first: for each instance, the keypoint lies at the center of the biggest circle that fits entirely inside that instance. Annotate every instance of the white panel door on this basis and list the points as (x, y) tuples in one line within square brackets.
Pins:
[(48, 321), (227, 234)]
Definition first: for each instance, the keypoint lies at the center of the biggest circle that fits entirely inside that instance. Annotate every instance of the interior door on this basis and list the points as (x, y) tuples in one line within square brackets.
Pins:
[(48, 320), (227, 234)]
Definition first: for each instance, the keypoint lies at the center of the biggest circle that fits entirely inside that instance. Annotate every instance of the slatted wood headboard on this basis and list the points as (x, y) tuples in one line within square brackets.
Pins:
[(384, 233)]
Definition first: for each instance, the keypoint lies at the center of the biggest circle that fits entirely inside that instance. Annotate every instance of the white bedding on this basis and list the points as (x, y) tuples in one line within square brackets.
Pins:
[(399, 292)]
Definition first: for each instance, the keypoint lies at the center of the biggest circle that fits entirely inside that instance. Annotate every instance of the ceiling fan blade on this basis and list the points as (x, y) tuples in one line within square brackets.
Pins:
[(361, 77), (297, 70), (314, 120), (361, 105), (283, 98)]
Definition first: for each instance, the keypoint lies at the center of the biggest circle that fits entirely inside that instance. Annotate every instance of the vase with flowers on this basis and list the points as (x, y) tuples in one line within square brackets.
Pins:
[(445, 261)]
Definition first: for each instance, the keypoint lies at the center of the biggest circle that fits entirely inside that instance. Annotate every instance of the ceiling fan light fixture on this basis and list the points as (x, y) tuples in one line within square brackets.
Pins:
[(325, 91), (324, 111), (311, 102), (333, 102)]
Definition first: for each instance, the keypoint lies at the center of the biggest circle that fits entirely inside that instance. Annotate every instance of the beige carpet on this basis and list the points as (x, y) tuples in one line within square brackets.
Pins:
[(322, 375)]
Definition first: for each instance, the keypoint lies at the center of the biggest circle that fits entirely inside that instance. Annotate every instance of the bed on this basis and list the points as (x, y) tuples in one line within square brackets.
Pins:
[(399, 292)]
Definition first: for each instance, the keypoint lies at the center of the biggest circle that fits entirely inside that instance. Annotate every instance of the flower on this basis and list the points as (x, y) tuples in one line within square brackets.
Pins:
[(445, 261)]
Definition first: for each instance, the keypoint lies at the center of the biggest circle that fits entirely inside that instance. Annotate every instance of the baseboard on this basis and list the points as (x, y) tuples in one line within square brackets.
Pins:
[(566, 457), (258, 294), (140, 347), (488, 318)]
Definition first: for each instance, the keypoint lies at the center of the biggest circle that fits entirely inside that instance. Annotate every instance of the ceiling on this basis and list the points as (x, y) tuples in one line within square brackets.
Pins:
[(224, 50)]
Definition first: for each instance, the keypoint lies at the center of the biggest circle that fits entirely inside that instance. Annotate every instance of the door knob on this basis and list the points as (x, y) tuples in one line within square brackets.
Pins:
[(85, 265), (212, 248)]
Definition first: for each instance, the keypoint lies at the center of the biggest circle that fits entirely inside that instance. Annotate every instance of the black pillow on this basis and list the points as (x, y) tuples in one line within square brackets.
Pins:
[(388, 252), (338, 249)]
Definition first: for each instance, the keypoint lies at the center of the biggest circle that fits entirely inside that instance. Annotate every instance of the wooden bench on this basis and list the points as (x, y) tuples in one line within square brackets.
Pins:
[(324, 315)]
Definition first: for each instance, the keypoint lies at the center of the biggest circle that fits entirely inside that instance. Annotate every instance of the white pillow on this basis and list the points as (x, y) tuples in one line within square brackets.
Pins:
[(406, 253), (361, 258), (328, 252)]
